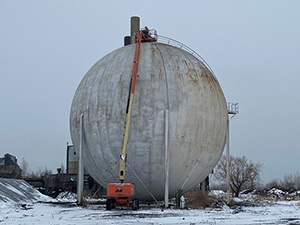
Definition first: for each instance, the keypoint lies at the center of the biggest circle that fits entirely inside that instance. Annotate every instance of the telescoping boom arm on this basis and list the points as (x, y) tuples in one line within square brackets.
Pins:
[(120, 194), (129, 107)]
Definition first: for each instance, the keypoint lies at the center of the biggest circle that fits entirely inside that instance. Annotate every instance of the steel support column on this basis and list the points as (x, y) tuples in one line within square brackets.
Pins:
[(166, 158), (80, 165), (228, 163)]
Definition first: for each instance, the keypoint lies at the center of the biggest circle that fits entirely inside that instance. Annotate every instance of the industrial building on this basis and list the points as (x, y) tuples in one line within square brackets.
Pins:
[(9, 167)]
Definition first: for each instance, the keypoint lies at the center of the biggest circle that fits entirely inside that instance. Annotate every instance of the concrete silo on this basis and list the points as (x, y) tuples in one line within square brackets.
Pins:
[(169, 78)]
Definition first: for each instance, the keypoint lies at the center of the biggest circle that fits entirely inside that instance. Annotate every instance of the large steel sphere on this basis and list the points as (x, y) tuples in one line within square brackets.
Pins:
[(168, 78)]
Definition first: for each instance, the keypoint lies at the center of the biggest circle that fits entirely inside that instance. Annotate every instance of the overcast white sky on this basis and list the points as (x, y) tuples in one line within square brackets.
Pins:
[(46, 47)]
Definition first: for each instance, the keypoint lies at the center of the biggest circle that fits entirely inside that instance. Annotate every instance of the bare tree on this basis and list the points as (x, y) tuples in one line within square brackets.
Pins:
[(297, 180), (254, 170), (41, 172), (243, 173), (287, 183), (45, 172), (290, 182), (272, 184), (62, 167), (24, 168), (33, 174)]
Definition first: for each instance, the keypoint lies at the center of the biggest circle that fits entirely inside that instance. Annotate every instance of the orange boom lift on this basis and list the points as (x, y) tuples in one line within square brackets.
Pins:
[(121, 194)]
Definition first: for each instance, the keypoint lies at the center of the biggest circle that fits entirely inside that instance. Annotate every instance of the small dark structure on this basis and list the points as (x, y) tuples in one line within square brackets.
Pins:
[(9, 167)]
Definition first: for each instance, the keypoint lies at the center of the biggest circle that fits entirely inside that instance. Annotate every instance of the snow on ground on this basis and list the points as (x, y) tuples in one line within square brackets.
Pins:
[(63, 210), (281, 212)]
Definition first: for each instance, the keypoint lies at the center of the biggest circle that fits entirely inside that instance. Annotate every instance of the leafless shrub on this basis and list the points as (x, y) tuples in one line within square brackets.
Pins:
[(290, 183), (272, 184)]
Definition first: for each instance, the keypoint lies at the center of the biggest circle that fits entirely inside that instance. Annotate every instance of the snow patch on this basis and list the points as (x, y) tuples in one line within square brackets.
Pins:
[(217, 193), (13, 190), (66, 197)]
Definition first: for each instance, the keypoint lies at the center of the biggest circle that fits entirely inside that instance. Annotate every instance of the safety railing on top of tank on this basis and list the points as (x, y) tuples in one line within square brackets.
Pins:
[(170, 41), (232, 107)]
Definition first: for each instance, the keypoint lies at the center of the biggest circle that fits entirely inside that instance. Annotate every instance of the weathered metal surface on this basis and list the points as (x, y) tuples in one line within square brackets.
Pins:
[(168, 78)]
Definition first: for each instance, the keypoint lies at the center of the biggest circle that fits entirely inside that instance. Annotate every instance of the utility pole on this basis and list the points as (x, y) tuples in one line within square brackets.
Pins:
[(233, 109)]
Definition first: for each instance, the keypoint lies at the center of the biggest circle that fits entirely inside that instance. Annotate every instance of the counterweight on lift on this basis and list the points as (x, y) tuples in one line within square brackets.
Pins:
[(120, 194)]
